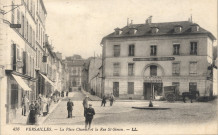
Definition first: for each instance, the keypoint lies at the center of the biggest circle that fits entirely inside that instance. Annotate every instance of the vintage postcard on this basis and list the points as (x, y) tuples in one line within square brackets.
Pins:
[(108, 67)]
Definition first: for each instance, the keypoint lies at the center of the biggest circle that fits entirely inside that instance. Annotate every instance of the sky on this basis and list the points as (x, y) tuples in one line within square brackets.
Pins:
[(78, 26)]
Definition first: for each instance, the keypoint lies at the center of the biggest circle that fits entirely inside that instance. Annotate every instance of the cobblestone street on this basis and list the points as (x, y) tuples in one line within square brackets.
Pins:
[(122, 113)]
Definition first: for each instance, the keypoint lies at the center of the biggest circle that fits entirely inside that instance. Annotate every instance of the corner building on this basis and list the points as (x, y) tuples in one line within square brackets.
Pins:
[(140, 59)]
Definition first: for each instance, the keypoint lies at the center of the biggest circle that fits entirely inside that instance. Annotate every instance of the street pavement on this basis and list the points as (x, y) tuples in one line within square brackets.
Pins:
[(122, 113)]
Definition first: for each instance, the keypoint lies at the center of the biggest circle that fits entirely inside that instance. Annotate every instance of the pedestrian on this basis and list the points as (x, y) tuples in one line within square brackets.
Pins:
[(90, 112), (112, 99), (67, 94), (69, 108), (37, 111), (44, 106), (31, 117), (25, 103), (103, 102), (40, 103), (85, 104)]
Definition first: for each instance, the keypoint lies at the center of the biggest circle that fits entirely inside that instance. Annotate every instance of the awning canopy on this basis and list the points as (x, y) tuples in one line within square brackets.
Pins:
[(46, 78), (21, 82)]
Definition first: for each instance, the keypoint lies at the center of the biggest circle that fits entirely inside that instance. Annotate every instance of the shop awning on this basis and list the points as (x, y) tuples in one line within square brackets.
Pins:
[(48, 80), (21, 82)]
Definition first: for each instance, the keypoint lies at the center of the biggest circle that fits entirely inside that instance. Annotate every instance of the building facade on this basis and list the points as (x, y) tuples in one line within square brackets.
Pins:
[(24, 67), (95, 76), (75, 67), (140, 59)]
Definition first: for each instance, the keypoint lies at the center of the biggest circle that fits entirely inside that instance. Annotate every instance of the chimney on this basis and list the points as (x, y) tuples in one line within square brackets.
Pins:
[(190, 18), (148, 20), (131, 22), (127, 21)]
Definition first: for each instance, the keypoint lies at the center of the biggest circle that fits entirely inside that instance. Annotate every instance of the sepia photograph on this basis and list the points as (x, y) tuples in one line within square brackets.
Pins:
[(140, 67)]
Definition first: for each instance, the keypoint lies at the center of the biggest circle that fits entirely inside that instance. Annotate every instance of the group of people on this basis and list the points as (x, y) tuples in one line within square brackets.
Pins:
[(111, 99), (62, 93), (36, 108), (89, 112)]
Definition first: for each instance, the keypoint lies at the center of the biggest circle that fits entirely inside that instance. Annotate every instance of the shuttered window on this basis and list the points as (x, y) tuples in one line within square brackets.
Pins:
[(131, 50), (130, 69), (24, 63), (176, 69), (116, 50), (116, 69), (193, 68)]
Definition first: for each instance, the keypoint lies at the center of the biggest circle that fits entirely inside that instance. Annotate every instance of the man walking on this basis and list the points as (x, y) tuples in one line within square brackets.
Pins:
[(25, 103), (103, 102), (89, 116), (70, 108), (111, 99), (85, 104)]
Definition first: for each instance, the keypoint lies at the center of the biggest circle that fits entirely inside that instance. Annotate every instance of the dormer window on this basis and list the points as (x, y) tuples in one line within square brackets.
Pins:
[(194, 27), (118, 31), (132, 30), (178, 29), (154, 30)]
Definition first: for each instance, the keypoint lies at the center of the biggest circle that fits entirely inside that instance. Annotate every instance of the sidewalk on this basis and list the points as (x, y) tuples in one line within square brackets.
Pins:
[(23, 119), (91, 97)]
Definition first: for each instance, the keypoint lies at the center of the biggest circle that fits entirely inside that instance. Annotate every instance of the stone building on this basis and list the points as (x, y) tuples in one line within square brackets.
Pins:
[(140, 59), (95, 75), (18, 44), (75, 67)]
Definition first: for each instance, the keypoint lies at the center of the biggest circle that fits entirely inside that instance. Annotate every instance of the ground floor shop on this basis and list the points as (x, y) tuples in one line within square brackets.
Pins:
[(18, 85), (153, 87)]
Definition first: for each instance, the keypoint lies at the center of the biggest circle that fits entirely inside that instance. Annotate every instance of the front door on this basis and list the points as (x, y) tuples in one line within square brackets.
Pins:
[(147, 91), (116, 89)]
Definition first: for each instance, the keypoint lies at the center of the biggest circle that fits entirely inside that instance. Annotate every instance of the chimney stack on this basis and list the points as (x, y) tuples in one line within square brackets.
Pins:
[(148, 20), (127, 21), (131, 22)]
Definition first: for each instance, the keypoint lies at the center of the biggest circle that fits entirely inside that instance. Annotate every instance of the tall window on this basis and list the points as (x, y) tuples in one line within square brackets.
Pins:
[(116, 69), (153, 50), (18, 19), (131, 50), (176, 49), (116, 50), (153, 70), (23, 25), (12, 13), (194, 48), (130, 87), (27, 28), (131, 69), (176, 69), (193, 68)]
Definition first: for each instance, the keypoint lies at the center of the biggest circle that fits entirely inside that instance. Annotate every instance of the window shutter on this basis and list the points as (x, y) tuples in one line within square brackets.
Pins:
[(24, 62), (14, 53)]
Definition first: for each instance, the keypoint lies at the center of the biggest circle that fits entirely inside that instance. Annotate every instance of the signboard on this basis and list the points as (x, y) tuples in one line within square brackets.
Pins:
[(153, 79), (155, 59), (15, 25)]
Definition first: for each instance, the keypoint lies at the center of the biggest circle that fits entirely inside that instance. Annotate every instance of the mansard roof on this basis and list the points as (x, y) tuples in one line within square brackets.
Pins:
[(166, 28)]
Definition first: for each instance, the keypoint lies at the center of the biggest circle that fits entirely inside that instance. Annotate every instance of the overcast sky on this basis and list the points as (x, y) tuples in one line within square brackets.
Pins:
[(77, 26)]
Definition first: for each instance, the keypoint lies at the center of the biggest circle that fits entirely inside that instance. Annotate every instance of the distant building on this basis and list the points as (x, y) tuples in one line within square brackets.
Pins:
[(140, 59), (75, 66), (85, 75), (95, 76)]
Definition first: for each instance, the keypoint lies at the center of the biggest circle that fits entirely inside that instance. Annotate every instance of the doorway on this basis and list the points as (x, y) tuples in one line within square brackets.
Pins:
[(116, 89), (152, 90)]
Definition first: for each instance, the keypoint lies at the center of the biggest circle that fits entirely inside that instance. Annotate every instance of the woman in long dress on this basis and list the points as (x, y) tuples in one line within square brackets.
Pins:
[(31, 120)]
